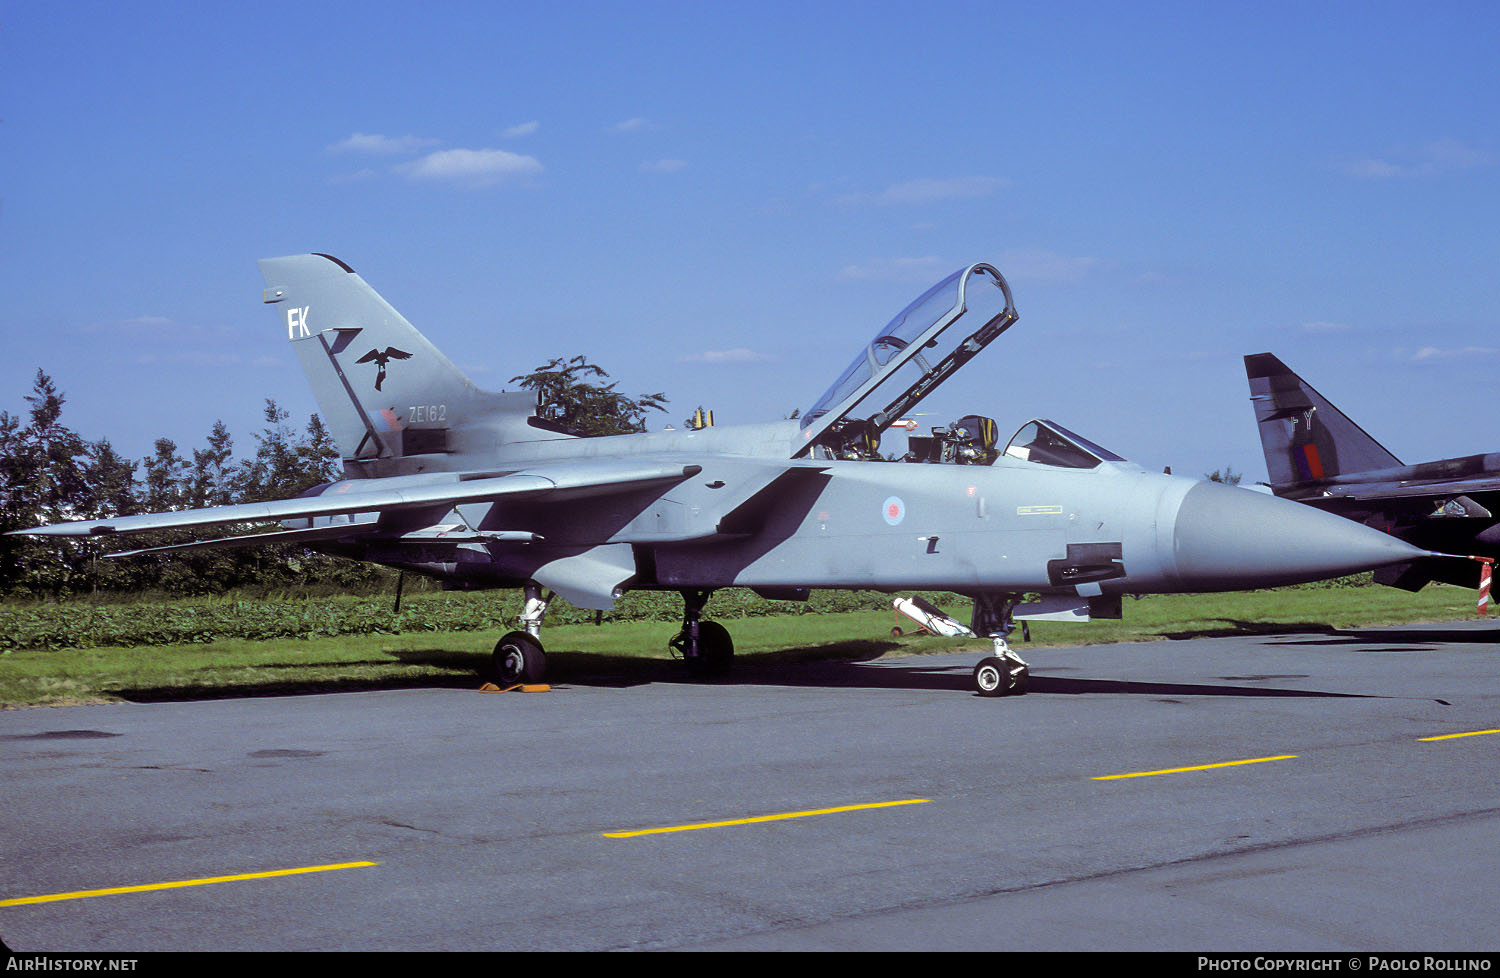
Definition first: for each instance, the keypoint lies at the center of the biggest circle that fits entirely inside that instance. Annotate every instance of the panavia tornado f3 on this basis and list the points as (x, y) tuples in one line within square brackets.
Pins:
[(481, 490)]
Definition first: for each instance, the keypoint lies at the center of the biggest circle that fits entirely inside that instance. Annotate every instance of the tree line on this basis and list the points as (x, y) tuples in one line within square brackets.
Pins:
[(49, 473)]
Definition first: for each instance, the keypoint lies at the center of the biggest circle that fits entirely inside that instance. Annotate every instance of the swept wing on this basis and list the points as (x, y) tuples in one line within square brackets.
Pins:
[(1404, 491), (554, 481)]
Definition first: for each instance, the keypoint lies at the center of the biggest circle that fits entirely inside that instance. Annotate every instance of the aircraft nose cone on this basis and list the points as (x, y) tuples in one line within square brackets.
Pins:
[(1226, 538)]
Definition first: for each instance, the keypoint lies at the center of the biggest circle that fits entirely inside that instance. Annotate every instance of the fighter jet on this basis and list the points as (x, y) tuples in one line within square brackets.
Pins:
[(1316, 455), (480, 490)]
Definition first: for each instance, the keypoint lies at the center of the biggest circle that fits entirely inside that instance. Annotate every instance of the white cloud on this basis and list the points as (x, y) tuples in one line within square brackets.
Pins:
[(524, 129), (1430, 353), (193, 358), (471, 167), (737, 355), (928, 269), (1040, 265), (358, 176), (1372, 169), (1454, 154), (361, 142), (663, 166), (1325, 327), (927, 190), (1442, 156), (629, 125), (159, 329), (1017, 265)]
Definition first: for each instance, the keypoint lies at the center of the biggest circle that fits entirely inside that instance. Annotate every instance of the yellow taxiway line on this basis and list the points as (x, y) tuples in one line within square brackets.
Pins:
[(1471, 733), (1199, 767), (782, 816), (82, 894)]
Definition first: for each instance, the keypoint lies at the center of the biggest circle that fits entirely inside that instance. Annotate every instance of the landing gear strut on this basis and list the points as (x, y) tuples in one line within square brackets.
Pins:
[(1004, 673), (704, 645), (518, 656)]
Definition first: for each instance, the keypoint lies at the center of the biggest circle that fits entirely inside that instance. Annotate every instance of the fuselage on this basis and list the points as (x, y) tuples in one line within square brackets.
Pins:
[(753, 517)]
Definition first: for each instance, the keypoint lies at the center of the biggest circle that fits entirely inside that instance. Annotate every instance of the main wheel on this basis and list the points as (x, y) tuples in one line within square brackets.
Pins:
[(993, 677), (519, 659), (715, 649)]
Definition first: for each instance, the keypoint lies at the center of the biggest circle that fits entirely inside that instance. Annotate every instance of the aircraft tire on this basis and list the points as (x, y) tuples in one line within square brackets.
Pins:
[(992, 677), (715, 650), (519, 658)]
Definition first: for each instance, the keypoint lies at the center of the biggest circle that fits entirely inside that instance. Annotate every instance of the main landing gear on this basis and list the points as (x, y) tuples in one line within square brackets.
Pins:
[(1004, 673), (704, 645), (518, 656)]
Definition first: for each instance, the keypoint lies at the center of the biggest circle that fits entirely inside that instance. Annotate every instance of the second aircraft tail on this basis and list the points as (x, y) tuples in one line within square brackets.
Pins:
[(1304, 437)]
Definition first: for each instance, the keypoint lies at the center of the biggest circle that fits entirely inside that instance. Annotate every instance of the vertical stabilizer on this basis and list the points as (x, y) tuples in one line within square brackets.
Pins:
[(1304, 437), (384, 391)]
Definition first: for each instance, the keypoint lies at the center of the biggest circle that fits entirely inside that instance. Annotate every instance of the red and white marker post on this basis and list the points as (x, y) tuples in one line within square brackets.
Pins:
[(1485, 575)]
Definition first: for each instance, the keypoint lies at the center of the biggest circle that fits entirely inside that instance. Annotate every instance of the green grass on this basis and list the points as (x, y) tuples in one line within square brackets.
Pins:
[(636, 651)]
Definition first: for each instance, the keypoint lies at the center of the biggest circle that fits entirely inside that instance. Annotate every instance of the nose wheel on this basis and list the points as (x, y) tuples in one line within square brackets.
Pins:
[(1001, 675), (1004, 673)]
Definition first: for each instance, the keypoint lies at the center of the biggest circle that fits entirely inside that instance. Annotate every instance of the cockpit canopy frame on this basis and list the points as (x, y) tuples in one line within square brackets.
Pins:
[(1045, 442), (836, 422)]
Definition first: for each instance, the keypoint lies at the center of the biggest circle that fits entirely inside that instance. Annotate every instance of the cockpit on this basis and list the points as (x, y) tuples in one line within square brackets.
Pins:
[(909, 358), (906, 360), (971, 441), (1049, 443)]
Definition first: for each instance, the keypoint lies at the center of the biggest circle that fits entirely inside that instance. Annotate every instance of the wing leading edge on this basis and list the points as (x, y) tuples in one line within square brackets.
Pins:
[(1436, 490), (579, 480)]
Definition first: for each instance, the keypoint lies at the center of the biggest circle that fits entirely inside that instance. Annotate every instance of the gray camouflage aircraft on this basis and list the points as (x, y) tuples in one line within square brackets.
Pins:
[(1316, 455), (480, 489)]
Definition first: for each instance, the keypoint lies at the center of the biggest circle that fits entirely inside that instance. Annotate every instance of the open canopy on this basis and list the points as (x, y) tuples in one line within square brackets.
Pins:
[(908, 358)]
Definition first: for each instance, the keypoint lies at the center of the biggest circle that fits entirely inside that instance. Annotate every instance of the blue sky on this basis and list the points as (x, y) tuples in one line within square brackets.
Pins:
[(721, 200)]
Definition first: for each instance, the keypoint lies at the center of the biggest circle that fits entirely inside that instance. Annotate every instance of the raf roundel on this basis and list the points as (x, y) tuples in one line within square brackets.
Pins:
[(894, 510)]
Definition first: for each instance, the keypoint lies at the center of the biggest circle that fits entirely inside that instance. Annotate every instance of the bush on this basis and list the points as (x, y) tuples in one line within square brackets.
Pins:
[(80, 625)]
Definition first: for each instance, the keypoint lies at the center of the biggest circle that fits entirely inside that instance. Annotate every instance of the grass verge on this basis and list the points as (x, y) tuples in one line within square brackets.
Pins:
[(636, 651)]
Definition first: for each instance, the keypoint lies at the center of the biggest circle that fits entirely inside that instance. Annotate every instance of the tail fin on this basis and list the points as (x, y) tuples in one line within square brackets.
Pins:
[(384, 391), (1305, 438)]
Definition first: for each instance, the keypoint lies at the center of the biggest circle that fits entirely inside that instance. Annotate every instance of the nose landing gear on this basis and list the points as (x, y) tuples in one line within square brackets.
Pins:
[(1001, 674), (1004, 673)]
